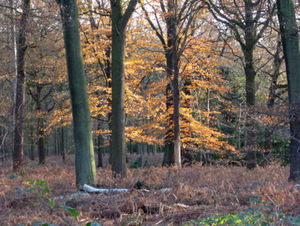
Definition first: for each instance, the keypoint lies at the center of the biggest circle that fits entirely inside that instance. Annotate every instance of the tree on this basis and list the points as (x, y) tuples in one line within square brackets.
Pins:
[(178, 16), (84, 149), (46, 73), (20, 91), (276, 90), (119, 24), (39, 98), (291, 49), (247, 21)]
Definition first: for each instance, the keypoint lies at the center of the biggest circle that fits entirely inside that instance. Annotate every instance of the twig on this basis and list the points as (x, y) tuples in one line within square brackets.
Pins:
[(50, 207)]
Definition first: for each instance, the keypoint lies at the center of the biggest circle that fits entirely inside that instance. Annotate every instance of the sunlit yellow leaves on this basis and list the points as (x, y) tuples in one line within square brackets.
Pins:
[(145, 72)]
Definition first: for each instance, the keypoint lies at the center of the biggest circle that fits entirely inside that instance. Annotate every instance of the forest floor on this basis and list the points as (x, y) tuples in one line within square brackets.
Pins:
[(195, 192)]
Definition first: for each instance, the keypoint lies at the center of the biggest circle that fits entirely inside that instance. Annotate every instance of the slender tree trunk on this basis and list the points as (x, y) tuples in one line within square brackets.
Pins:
[(100, 143), (109, 100), (40, 127), (18, 151), (84, 148), (109, 85), (187, 104), (291, 49), (62, 144), (31, 139), (176, 101), (41, 141), (2, 137), (61, 131), (14, 57)]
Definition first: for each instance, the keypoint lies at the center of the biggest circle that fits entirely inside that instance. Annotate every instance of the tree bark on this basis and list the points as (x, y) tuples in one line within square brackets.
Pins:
[(40, 126), (18, 151), (169, 157), (250, 72), (41, 141), (84, 148), (118, 151), (173, 153), (291, 50), (100, 143), (176, 101), (14, 56), (61, 131), (62, 143), (119, 23)]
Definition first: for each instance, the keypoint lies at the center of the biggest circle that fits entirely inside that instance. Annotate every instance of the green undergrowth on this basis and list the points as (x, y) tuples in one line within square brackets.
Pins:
[(40, 190), (259, 213)]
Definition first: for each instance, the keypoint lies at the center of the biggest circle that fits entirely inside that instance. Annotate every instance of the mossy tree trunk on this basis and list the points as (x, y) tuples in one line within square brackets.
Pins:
[(291, 50), (84, 148), (119, 23)]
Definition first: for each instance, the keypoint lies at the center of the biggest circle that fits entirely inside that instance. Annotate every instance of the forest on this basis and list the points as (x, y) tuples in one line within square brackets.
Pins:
[(175, 112)]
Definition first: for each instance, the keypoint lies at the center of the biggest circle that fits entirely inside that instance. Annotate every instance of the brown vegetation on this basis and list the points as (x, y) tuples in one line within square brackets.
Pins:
[(195, 192)]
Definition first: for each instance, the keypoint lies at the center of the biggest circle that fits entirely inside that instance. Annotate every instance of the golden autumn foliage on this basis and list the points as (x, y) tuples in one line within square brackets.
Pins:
[(145, 66), (145, 71)]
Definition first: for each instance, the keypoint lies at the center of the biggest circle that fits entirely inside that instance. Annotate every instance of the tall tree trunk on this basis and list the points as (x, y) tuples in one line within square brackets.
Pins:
[(14, 57), (84, 148), (173, 153), (119, 23), (31, 143), (118, 151), (250, 102), (109, 100), (176, 101), (18, 151), (40, 126), (250, 72), (169, 157), (109, 85), (41, 140), (291, 49), (62, 143), (100, 142), (61, 131)]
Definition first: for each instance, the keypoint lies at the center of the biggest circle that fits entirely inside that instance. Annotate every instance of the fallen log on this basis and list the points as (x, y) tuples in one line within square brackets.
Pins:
[(90, 189)]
